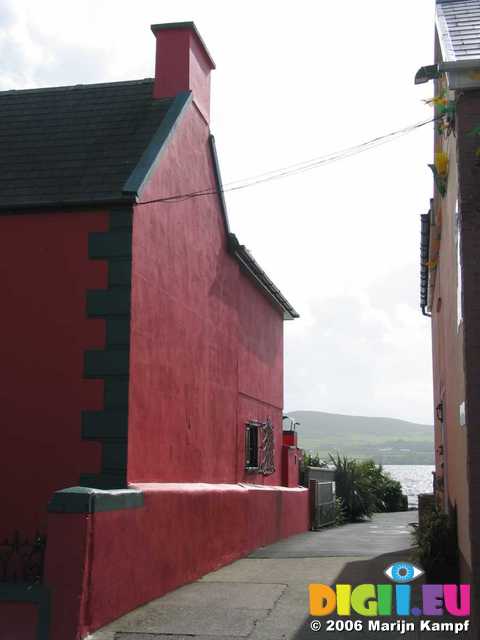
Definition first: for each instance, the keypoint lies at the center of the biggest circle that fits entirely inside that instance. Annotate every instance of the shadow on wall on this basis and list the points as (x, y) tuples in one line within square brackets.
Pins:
[(255, 314)]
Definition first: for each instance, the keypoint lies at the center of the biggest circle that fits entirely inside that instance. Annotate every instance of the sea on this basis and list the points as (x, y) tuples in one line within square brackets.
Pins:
[(415, 479)]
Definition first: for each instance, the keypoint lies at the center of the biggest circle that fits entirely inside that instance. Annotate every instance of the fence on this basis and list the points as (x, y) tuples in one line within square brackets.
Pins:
[(322, 497)]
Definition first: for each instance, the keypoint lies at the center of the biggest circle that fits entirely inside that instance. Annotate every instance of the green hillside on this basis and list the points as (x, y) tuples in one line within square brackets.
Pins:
[(386, 440)]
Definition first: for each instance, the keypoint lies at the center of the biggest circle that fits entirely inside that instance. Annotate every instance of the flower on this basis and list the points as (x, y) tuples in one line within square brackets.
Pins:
[(441, 163)]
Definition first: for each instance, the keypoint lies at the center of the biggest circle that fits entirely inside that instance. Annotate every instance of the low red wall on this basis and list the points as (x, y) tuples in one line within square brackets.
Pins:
[(18, 621), (132, 556)]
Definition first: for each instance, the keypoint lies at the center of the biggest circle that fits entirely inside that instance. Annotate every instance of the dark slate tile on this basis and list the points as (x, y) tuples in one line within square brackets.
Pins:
[(74, 144)]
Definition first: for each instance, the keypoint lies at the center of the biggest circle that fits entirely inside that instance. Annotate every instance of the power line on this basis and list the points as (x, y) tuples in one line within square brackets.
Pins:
[(295, 169)]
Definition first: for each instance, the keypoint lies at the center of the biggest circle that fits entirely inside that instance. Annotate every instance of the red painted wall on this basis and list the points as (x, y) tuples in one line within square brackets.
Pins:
[(18, 620), (44, 331), (206, 344), (290, 466), (135, 555)]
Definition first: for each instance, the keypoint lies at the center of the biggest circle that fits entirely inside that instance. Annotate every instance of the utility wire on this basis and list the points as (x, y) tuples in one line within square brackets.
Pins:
[(296, 169)]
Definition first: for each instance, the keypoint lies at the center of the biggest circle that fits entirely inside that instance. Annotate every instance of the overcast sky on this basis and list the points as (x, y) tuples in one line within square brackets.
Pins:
[(294, 80)]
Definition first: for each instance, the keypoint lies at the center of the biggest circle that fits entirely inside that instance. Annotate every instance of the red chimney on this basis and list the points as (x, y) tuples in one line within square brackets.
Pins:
[(182, 63)]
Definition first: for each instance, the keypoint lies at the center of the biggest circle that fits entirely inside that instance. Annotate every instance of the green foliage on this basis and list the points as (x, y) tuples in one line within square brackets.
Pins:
[(365, 488), (354, 487), (437, 546), (313, 460), (388, 492), (340, 512)]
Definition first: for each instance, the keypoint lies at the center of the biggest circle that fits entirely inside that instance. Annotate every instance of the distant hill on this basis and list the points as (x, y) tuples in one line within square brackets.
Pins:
[(386, 440)]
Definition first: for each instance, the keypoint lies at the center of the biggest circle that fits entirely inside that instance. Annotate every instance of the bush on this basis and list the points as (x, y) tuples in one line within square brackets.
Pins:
[(340, 512), (388, 492), (354, 487), (437, 546), (313, 460), (365, 488)]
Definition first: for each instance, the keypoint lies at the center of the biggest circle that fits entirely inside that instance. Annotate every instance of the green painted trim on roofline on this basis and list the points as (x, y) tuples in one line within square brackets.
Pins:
[(109, 426), (152, 154), (219, 184), (93, 500), (250, 267), (247, 263), (34, 593)]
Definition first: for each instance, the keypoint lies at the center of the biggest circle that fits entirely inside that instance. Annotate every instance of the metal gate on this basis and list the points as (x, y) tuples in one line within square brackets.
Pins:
[(322, 502)]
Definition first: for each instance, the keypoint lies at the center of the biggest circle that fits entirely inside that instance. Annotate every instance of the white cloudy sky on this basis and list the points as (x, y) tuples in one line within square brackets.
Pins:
[(293, 81)]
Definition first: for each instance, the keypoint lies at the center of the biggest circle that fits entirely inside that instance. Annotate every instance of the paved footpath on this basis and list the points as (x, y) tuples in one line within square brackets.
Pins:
[(265, 597)]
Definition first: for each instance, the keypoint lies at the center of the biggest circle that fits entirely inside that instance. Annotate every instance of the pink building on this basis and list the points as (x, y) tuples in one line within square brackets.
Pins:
[(451, 276), (142, 350)]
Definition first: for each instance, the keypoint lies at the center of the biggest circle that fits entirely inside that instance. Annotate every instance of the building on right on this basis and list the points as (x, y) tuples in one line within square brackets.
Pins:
[(450, 272)]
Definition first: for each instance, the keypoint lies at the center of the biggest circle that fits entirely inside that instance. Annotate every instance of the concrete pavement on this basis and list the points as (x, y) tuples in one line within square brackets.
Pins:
[(265, 596)]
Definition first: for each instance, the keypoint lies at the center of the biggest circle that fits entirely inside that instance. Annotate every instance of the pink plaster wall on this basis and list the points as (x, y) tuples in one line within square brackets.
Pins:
[(135, 555), (206, 344)]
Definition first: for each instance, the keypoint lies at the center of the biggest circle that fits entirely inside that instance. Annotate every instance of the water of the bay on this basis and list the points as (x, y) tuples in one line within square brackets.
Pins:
[(415, 479)]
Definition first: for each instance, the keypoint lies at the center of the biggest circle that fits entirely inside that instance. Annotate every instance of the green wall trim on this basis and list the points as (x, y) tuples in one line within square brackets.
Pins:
[(106, 363), (111, 302), (121, 217), (116, 393), (118, 332), (34, 593), (152, 154), (110, 244), (114, 457), (93, 500), (104, 480), (104, 424), (119, 273), (219, 184), (110, 426)]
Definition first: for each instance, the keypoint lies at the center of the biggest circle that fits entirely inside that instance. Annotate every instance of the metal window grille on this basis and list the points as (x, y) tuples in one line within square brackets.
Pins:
[(251, 445), (260, 447), (21, 560)]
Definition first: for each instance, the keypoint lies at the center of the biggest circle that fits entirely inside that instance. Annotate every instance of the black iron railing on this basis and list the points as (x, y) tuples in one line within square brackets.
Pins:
[(22, 560)]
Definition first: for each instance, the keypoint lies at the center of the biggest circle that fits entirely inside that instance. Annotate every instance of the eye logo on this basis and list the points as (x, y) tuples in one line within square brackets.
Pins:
[(402, 572)]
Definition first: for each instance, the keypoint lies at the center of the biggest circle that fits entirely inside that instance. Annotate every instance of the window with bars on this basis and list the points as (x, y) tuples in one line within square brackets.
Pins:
[(259, 447)]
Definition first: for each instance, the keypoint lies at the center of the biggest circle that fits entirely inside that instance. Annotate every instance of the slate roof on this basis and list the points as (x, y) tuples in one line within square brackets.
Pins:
[(74, 145), (458, 24), (85, 144)]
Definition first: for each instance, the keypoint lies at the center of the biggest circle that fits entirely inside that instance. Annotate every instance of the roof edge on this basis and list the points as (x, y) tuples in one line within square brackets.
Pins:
[(247, 262), (219, 183), (33, 207), (137, 180), (254, 270)]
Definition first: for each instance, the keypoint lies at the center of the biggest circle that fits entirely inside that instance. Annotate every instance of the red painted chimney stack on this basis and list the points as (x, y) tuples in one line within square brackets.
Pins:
[(182, 63)]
